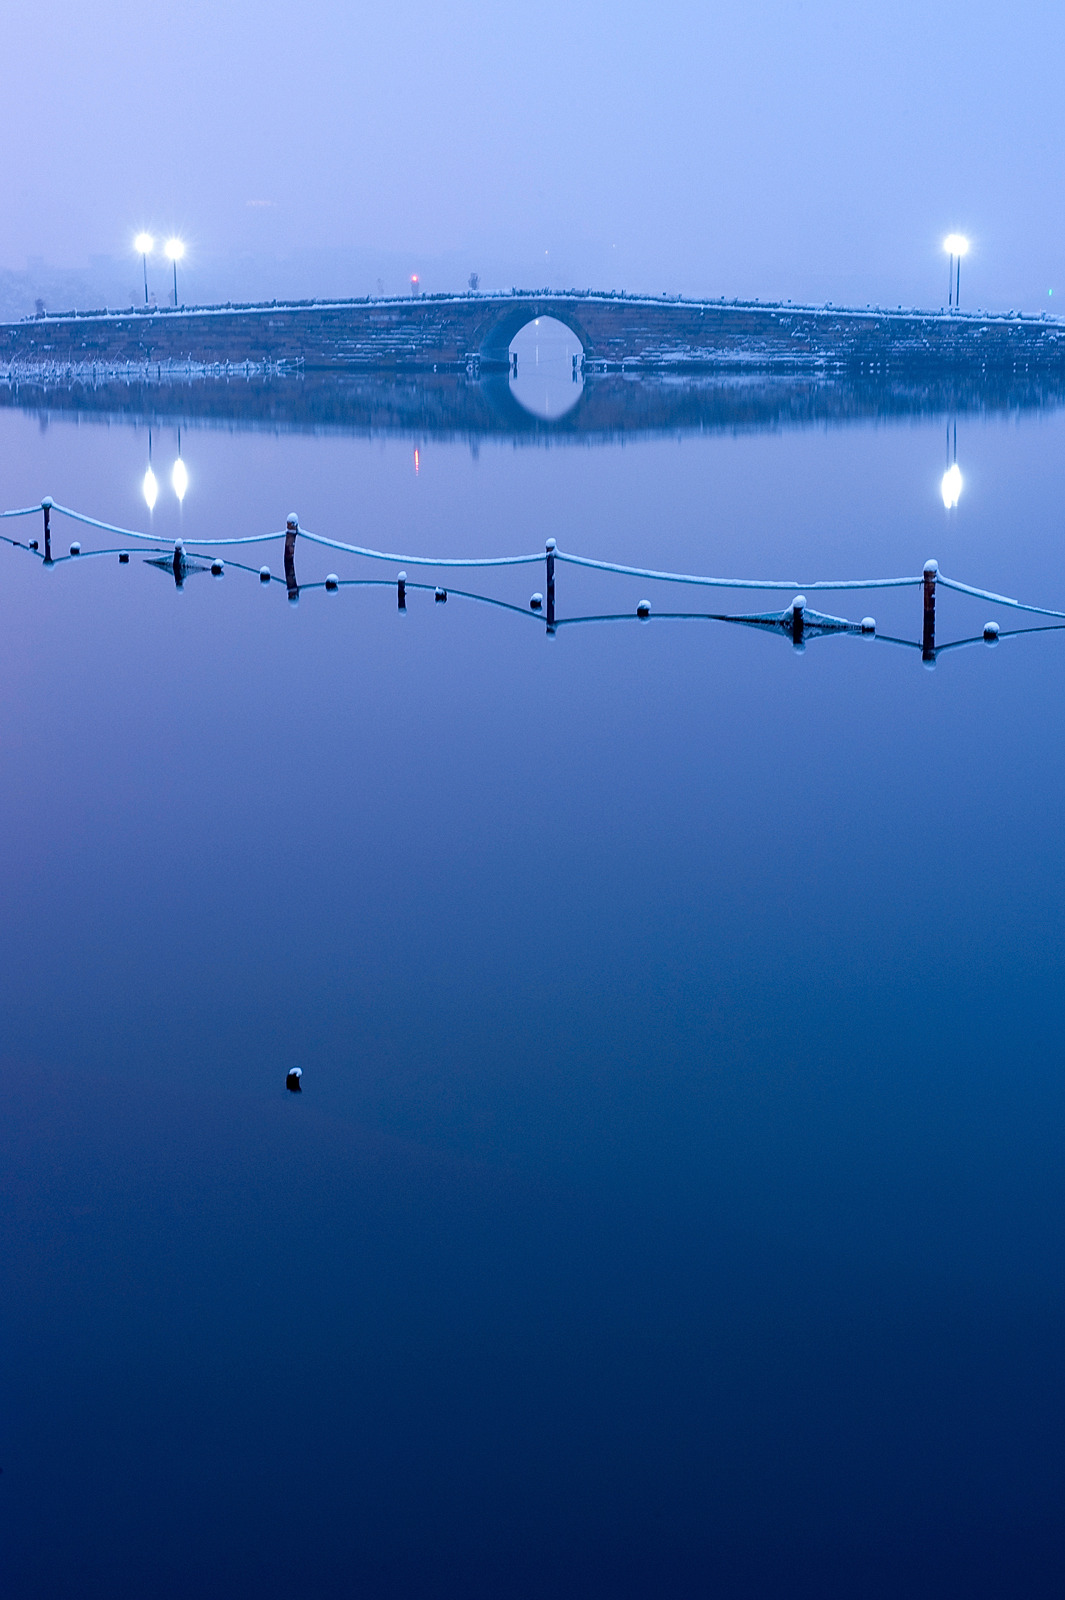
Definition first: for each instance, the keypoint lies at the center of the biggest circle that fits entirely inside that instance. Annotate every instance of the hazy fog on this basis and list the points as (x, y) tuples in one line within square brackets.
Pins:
[(809, 150)]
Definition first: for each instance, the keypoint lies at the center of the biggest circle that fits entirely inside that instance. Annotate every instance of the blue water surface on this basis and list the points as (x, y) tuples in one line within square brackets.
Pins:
[(674, 1204)]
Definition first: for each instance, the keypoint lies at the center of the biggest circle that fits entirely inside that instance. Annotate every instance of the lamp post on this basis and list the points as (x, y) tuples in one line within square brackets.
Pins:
[(175, 250), (144, 244), (956, 245)]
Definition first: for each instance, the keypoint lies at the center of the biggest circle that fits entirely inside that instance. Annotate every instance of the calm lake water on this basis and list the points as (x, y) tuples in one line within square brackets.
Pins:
[(675, 1203)]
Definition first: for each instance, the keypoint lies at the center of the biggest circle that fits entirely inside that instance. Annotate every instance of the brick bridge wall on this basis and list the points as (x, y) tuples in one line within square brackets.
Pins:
[(449, 332)]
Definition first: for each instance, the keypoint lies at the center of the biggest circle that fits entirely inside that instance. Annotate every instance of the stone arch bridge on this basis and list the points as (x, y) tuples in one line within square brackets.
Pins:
[(457, 332)]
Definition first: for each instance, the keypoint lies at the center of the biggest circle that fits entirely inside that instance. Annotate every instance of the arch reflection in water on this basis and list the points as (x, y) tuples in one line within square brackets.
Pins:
[(546, 368)]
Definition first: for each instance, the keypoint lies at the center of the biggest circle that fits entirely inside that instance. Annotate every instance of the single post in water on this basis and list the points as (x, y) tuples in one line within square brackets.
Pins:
[(928, 632), (798, 621), (401, 591), (550, 583), (46, 507), (292, 527)]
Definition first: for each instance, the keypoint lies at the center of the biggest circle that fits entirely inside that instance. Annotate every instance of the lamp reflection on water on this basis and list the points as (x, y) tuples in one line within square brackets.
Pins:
[(179, 476), (150, 483), (950, 485)]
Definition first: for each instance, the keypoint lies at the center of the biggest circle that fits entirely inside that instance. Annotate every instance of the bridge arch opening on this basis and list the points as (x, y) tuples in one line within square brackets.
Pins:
[(546, 368)]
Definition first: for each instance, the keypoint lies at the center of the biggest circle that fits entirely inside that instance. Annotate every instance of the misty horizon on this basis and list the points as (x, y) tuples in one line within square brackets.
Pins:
[(798, 153)]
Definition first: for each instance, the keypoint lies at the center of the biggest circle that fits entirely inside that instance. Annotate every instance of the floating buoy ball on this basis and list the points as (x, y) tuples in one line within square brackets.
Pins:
[(332, 582), (868, 626), (991, 633), (536, 602), (75, 548), (643, 610), (264, 574), (441, 595), (292, 1081), (123, 558), (217, 568)]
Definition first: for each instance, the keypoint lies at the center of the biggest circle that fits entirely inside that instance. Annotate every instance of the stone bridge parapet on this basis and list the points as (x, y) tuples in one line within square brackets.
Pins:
[(459, 332)]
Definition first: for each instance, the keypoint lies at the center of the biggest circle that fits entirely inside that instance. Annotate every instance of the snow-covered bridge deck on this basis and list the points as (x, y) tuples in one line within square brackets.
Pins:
[(455, 332)]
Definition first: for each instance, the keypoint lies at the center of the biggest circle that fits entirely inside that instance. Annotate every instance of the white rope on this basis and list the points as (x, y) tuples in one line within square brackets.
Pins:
[(23, 511), (997, 599), (153, 538), (419, 561), (734, 583)]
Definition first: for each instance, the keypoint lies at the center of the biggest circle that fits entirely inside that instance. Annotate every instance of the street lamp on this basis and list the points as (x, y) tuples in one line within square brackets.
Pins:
[(144, 244), (956, 245), (175, 250)]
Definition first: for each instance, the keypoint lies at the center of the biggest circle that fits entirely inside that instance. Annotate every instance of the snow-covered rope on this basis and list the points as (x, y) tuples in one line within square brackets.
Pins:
[(153, 538), (733, 583), (651, 574), (417, 561), (314, 538), (996, 599)]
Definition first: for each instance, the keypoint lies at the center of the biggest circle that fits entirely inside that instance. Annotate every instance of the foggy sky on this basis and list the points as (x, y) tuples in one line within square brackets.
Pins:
[(807, 150)]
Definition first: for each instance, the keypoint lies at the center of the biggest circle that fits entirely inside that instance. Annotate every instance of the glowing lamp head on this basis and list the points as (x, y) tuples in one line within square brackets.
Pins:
[(956, 244), (950, 487), (174, 249), (144, 244), (151, 489), (179, 478)]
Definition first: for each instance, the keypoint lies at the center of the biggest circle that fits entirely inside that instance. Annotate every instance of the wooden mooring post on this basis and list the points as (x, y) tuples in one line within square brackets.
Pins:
[(292, 528), (46, 507), (551, 583), (928, 630)]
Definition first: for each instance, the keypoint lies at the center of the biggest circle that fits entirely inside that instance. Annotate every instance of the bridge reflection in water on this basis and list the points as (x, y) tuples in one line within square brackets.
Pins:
[(465, 407)]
